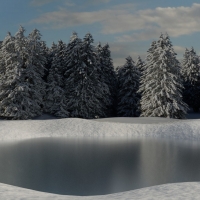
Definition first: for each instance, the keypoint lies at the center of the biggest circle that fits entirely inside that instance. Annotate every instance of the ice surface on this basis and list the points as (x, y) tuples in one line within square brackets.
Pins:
[(48, 126)]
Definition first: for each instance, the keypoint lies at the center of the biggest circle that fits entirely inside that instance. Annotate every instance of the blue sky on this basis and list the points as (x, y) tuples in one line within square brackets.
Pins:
[(129, 26)]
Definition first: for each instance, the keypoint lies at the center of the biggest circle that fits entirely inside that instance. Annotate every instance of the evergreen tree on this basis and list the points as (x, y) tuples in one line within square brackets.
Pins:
[(56, 95), (49, 54), (45, 52), (11, 67), (147, 64), (108, 75), (191, 74), (86, 94), (161, 84), (18, 99), (72, 74), (140, 65), (35, 71), (128, 98)]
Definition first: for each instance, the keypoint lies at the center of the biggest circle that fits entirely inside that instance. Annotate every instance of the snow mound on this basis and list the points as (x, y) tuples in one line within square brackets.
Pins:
[(173, 191)]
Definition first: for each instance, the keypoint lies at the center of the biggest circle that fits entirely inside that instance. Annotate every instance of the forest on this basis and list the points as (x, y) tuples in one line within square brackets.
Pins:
[(78, 79)]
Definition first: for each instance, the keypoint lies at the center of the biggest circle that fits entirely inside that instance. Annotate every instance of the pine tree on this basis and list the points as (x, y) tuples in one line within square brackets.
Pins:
[(148, 63), (86, 94), (6, 51), (17, 93), (45, 52), (35, 71), (49, 54), (143, 75), (140, 65), (161, 84), (72, 74), (128, 98), (56, 95), (108, 75), (11, 67), (92, 61), (191, 74)]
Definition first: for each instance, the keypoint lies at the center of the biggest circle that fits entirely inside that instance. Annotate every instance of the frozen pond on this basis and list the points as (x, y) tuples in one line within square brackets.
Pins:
[(91, 167)]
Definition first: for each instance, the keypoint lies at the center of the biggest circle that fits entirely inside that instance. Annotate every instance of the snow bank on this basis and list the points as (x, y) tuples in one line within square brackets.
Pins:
[(174, 191), (78, 128)]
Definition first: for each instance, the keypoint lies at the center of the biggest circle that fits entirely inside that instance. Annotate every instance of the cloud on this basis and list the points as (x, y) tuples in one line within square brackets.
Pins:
[(64, 18), (175, 21), (149, 33), (142, 24), (40, 2)]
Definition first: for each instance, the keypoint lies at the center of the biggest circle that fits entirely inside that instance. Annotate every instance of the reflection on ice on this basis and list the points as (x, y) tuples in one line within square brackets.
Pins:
[(97, 167)]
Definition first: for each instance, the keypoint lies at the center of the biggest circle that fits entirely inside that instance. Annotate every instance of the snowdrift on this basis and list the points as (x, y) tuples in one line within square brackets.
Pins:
[(79, 128)]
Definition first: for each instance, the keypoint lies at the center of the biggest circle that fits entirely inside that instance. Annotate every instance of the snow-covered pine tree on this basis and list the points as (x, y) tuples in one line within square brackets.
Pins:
[(128, 98), (108, 76), (50, 53), (92, 61), (56, 95), (45, 52), (6, 45), (87, 95), (161, 84), (15, 97), (184, 64), (140, 65), (191, 74), (186, 82), (35, 66), (9, 80), (72, 74), (147, 64)]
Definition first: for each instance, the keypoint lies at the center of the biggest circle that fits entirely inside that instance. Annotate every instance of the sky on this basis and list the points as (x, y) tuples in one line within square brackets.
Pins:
[(128, 26)]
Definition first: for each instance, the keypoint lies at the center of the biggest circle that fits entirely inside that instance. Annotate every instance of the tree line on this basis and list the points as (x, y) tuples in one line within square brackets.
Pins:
[(78, 79)]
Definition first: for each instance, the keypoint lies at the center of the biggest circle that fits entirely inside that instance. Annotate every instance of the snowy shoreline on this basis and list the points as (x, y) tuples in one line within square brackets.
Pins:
[(83, 128), (97, 129)]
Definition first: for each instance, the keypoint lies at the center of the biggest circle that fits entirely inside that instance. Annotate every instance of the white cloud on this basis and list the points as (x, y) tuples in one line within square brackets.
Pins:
[(175, 21), (147, 23), (149, 33), (65, 18)]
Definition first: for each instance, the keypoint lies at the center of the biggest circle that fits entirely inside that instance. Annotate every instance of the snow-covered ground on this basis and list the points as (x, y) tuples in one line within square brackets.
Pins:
[(48, 126)]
